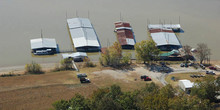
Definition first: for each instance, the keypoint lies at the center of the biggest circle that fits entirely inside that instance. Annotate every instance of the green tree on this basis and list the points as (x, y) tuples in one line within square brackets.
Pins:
[(207, 88), (129, 101), (97, 97), (61, 105), (167, 91), (115, 92), (126, 59), (146, 50), (78, 103), (113, 56), (185, 102)]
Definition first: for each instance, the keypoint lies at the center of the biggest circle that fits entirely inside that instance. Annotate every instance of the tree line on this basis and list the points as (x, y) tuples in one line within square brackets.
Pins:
[(151, 97)]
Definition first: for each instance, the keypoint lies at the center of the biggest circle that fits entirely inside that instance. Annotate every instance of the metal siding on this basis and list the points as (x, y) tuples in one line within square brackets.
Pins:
[(124, 33)]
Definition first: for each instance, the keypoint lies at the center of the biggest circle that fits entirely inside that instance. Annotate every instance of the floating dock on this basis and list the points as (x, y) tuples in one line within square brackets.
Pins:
[(125, 35), (43, 46), (83, 35), (165, 39)]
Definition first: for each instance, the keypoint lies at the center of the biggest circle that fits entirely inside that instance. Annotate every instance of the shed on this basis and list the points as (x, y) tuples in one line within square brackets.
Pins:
[(186, 85)]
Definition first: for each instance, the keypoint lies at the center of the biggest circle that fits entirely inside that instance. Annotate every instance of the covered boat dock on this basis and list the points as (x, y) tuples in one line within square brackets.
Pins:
[(125, 35), (83, 35), (43, 46), (166, 40)]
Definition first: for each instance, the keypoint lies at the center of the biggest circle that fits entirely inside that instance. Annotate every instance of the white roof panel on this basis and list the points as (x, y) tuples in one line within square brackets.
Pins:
[(79, 23), (43, 42), (130, 41), (187, 83), (82, 32), (73, 55), (165, 38)]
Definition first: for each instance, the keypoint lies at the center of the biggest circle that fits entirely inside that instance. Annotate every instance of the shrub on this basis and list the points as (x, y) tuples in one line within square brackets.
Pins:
[(126, 59), (88, 63), (66, 64), (33, 68)]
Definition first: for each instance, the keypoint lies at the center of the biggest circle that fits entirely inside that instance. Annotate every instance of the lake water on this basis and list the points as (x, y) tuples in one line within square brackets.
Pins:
[(22, 20)]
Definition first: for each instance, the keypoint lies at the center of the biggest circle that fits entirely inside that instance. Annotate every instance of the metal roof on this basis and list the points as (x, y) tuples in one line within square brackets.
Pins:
[(43, 43), (74, 55), (165, 38), (124, 33), (164, 26), (187, 83), (82, 32)]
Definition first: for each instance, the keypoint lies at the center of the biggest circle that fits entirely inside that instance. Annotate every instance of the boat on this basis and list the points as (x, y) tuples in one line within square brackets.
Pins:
[(125, 35)]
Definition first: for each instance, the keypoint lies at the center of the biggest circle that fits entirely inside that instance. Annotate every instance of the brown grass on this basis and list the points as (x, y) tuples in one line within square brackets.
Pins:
[(40, 91), (180, 76)]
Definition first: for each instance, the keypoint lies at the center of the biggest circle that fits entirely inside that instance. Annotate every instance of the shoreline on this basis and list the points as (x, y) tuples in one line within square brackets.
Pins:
[(20, 69)]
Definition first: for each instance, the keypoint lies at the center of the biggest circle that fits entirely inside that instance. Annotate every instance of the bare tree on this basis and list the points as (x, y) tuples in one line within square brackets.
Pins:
[(203, 52), (187, 52)]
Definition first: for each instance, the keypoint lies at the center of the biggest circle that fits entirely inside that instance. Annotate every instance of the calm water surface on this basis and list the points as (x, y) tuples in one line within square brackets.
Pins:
[(22, 20)]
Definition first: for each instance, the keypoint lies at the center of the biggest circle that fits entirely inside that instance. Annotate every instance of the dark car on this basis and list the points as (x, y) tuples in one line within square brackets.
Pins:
[(212, 68), (186, 65), (80, 75), (192, 75), (202, 66), (181, 65), (143, 76), (84, 80)]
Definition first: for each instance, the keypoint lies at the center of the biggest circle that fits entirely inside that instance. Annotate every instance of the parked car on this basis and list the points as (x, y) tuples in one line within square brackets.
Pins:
[(143, 76), (147, 79), (210, 72), (212, 68), (185, 65), (84, 80), (80, 75), (193, 76), (182, 65), (202, 66)]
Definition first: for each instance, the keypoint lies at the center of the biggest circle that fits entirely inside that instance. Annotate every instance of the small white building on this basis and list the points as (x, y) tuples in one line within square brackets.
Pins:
[(186, 85)]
